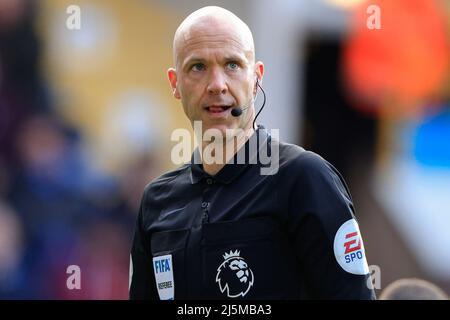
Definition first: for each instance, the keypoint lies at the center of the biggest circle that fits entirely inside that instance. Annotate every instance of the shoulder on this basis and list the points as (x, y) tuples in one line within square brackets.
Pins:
[(309, 168), (166, 181), (300, 161), (311, 172)]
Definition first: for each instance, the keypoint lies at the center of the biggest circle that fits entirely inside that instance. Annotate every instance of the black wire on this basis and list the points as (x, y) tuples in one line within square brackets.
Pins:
[(264, 102)]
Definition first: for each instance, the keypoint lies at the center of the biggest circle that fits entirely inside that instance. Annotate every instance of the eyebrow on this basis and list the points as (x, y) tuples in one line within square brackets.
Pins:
[(234, 57)]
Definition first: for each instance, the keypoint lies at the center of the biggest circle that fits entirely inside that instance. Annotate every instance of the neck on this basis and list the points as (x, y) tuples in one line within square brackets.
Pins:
[(223, 151)]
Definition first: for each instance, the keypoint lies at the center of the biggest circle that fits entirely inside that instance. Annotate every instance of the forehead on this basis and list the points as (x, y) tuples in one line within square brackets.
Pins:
[(204, 39), (216, 46)]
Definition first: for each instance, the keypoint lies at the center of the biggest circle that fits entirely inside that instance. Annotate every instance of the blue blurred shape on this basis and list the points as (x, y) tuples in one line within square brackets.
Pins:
[(432, 141)]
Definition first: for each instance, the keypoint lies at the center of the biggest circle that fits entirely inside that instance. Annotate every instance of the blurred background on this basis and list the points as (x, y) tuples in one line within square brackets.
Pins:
[(86, 117)]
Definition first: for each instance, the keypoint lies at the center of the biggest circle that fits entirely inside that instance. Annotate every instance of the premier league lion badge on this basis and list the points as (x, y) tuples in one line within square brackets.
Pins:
[(234, 275)]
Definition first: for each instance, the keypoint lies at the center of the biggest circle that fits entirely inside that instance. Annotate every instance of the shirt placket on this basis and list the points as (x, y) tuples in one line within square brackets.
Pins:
[(206, 200)]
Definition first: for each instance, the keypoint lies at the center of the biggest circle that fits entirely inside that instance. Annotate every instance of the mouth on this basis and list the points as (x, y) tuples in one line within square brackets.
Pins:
[(217, 108), (218, 111)]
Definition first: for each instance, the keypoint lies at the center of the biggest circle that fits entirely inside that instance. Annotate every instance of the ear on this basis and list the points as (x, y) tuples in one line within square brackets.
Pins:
[(259, 71), (172, 74)]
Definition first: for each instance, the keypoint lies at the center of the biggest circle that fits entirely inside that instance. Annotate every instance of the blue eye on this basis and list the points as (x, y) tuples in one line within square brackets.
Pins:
[(198, 67), (233, 65)]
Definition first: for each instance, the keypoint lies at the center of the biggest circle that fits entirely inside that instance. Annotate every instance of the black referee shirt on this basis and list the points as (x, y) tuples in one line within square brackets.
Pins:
[(242, 234)]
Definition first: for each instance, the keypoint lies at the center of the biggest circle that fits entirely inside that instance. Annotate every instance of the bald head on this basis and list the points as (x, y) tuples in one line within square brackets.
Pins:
[(208, 23), (215, 67), (413, 289)]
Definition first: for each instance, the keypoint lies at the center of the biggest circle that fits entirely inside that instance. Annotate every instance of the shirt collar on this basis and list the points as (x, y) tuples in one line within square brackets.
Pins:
[(234, 167)]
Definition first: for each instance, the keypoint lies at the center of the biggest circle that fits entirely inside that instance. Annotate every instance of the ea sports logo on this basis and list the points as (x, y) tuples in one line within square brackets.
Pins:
[(234, 276), (349, 248)]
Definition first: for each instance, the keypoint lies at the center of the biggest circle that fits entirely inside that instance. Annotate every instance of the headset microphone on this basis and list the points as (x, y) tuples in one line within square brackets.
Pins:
[(236, 112)]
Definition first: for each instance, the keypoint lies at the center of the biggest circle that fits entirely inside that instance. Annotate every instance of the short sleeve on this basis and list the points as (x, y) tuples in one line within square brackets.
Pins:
[(325, 232)]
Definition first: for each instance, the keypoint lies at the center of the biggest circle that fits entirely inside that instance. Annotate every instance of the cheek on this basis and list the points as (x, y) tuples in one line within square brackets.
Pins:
[(238, 86), (248, 85), (245, 90), (192, 89), (191, 97)]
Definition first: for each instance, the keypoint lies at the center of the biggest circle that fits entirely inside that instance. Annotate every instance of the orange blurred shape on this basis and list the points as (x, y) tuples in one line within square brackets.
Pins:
[(397, 67)]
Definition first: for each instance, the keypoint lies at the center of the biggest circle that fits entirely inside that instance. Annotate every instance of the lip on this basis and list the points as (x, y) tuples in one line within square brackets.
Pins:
[(218, 111)]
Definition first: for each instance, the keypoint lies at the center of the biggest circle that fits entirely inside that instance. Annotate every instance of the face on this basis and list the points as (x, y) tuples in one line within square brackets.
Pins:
[(215, 71)]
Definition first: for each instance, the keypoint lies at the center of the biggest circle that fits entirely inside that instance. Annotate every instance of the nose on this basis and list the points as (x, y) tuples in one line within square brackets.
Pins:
[(217, 83)]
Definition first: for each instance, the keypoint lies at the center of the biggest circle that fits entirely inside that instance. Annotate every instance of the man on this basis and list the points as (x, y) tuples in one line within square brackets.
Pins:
[(222, 229)]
